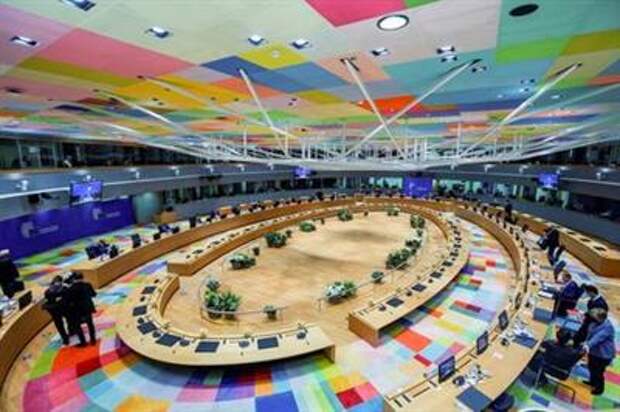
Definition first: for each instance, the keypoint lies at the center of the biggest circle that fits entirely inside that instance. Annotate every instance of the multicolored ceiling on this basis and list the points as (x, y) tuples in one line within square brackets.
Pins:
[(100, 74)]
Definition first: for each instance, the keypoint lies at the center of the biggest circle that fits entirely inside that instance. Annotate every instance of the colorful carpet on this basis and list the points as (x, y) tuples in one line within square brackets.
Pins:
[(557, 397), (109, 376)]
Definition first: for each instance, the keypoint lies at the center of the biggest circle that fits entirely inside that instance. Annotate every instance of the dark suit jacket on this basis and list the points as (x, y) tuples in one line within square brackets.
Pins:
[(80, 296)]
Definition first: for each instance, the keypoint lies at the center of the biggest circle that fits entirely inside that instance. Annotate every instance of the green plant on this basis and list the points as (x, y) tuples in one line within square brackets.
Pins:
[(393, 211), (216, 302), (419, 232), (340, 290), (417, 222), (377, 276), (242, 261), (398, 259), (213, 284), (413, 243), (344, 215), (275, 239), (307, 226), (270, 311)]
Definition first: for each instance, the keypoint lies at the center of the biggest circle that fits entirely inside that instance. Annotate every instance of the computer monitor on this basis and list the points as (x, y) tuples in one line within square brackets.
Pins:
[(92, 251), (503, 320), (446, 368), (113, 251), (192, 221), (176, 229), (136, 240), (157, 236), (482, 343), (24, 300)]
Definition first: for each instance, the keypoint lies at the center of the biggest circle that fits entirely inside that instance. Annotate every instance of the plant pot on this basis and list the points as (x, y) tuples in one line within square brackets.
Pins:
[(214, 315), (272, 315)]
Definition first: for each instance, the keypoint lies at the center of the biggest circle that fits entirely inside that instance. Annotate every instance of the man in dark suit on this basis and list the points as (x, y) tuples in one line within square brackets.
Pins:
[(568, 296), (81, 308), (557, 357), (596, 302), (54, 305)]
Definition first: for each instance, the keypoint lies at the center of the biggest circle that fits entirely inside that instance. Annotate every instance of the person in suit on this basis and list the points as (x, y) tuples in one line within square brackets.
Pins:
[(601, 349), (81, 308), (568, 296), (556, 356), (553, 241), (596, 301), (54, 304), (508, 212)]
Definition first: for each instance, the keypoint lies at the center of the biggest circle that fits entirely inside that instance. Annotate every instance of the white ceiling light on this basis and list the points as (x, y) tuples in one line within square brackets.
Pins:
[(446, 49), (479, 69), (393, 22), (380, 51), (555, 96), (300, 44), (158, 32), (24, 41), (256, 39), (449, 58)]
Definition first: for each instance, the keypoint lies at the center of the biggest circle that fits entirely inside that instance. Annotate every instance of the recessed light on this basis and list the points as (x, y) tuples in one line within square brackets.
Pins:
[(449, 58), (300, 44), (393, 22), (446, 49), (158, 32), (556, 96), (256, 39), (528, 81), (479, 69), (83, 5), (524, 10), (500, 96), (24, 41), (380, 51), (525, 90)]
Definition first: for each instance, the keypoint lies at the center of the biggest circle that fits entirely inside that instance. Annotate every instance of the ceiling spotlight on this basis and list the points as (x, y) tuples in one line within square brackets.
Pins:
[(449, 58), (83, 5), (24, 41), (256, 39), (158, 32), (479, 69), (556, 96), (528, 81), (500, 96), (446, 49), (525, 90), (300, 44), (393, 22), (381, 51)]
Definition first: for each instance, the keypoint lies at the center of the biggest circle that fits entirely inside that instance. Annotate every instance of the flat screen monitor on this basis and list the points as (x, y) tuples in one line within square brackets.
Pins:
[(548, 180), (503, 320), (136, 240), (418, 186), (482, 343), (446, 368), (92, 252), (301, 172), (192, 221), (82, 192)]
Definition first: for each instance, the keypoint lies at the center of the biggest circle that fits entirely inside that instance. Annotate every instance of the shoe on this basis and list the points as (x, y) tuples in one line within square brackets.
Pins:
[(597, 391)]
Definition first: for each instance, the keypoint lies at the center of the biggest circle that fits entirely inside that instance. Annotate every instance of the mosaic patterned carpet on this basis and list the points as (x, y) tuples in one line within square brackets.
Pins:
[(109, 376), (554, 397)]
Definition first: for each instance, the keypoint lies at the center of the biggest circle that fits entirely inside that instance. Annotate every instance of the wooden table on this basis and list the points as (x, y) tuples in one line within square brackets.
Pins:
[(224, 350), (165, 217), (367, 322)]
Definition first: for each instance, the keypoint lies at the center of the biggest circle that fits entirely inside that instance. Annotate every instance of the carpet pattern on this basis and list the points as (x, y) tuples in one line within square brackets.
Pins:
[(110, 377)]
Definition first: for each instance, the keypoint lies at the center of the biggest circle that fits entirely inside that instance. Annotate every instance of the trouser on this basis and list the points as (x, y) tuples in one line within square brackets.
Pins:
[(59, 322), (77, 327), (596, 366)]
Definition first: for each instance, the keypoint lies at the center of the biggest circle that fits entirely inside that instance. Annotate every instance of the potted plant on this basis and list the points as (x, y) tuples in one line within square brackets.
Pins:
[(344, 215), (307, 226), (230, 303), (275, 239), (393, 211), (397, 259), (419, 232), (413, 243), (271, 312), (377, 276), (242, 261), (338, 290), (213, 303), (213, 284)]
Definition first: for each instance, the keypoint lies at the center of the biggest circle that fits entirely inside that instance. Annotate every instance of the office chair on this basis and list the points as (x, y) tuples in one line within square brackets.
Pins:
[(557, 376)]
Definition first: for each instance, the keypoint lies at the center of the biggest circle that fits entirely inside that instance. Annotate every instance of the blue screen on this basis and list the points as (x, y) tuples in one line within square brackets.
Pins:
[(446, 368), (86, 191), (302, 172), (418, 186), (548, 180)]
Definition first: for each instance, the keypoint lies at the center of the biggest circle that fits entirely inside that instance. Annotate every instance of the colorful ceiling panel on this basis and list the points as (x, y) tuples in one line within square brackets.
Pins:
[(188, 70)]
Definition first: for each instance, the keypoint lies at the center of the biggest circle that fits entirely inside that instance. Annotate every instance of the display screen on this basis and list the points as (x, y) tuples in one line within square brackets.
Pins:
[(86, 191), (503, 320), (446, 368), (302, 172), (482, 342), (418, 186), (548, 180)]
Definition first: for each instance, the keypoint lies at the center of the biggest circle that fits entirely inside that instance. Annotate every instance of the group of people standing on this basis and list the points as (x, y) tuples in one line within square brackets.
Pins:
[(70, 304)]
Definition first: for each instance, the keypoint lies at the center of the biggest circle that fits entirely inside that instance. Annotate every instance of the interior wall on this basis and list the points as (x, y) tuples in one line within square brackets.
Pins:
[(145, 205)]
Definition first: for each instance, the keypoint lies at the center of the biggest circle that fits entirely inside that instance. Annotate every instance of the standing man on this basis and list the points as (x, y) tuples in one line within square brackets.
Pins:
[(601, 349), (508, 212), (55, 305), (82, 307), (568, 296), (596, 302)]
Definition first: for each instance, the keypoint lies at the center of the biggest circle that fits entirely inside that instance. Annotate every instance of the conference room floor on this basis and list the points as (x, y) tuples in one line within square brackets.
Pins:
[(109, 377)]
